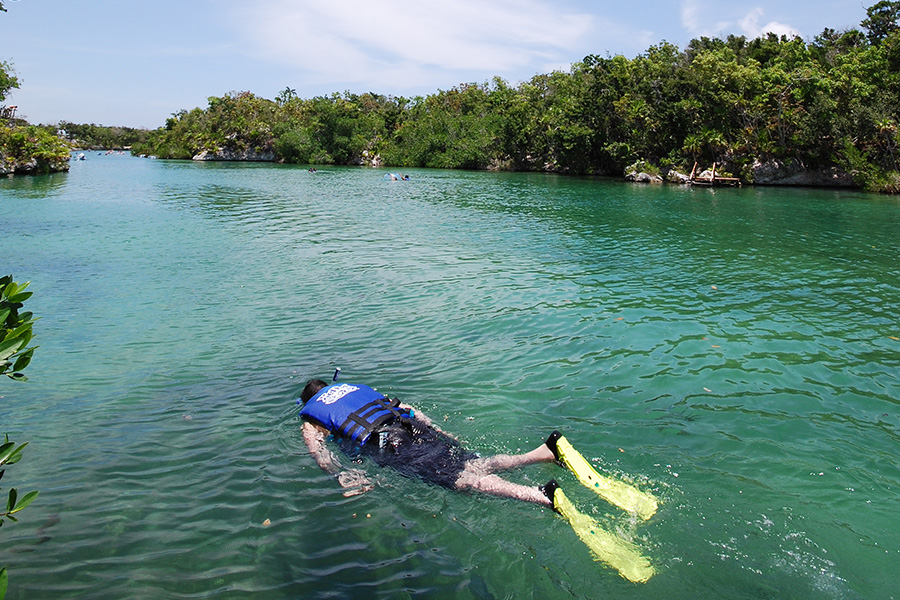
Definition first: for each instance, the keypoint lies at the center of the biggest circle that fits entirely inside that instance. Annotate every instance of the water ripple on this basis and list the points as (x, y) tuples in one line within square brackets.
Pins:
[(734, 351)]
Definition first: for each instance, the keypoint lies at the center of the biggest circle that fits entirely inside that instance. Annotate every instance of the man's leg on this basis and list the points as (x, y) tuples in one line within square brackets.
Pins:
[(497, 486), (478, 475), (502, 462)]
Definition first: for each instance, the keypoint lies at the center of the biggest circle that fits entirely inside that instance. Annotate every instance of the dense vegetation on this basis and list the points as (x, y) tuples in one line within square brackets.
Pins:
[(26, 148), (31, 149), (97, 137), (829, 102)]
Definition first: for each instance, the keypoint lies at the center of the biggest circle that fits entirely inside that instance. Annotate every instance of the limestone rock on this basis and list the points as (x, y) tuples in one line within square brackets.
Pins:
[(791, 172), (676, 177), (643, 177), (32, 166), (235, 154)]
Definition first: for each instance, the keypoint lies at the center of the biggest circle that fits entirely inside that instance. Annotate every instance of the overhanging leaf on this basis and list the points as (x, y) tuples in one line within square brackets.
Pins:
[(10, 289), (20, 297), (23, 360), (10, 347), (25, 501), (16, 455), (5, 450), (22, 331)]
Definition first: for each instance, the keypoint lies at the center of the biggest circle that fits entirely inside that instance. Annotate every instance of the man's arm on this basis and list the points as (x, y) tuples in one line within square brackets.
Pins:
[(314, 436)]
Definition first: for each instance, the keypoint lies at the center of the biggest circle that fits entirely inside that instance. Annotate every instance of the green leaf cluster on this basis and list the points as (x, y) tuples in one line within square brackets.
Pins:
[(8, 79), (15, 329), (10, 454), (15, 355), (28, 147), (21, 144)]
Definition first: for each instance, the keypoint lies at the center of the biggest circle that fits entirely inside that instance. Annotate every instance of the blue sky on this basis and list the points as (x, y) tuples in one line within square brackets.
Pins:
[(121, 62)]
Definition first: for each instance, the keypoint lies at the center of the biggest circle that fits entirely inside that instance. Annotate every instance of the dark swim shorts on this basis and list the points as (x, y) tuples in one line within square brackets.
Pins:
[(419, 451)]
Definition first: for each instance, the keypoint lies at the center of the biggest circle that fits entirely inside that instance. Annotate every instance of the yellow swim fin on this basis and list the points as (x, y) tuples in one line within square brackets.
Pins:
[(625, 496), (623, 556)]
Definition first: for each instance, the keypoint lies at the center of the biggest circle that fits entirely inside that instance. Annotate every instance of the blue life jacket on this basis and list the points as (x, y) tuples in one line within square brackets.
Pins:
[(352, 411)]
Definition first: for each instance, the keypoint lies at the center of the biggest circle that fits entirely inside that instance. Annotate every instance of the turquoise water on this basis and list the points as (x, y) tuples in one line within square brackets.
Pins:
[(733, 351)]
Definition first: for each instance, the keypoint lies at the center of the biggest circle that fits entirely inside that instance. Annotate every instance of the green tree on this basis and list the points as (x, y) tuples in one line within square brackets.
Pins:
[(455, 129), (38, 149), (830, 102), (93, 136), (8, 80), (15, 355), (285, 96), (881, 20)]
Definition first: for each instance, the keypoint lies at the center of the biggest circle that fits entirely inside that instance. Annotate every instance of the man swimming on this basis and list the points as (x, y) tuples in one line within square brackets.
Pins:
[(394, 434)]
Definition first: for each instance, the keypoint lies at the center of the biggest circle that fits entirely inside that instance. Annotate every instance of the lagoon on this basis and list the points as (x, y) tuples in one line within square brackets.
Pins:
[(735, 351)]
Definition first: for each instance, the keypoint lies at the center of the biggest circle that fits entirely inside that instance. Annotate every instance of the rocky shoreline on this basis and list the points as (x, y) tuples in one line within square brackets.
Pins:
[(771, 172), (235, 155), (32, 166)]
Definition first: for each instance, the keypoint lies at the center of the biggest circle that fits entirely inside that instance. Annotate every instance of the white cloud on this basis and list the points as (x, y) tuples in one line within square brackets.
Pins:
[(699, 18), (355, 41), (752, 29)]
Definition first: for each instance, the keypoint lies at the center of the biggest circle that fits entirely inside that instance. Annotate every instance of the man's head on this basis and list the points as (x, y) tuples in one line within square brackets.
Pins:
[(311, 389)]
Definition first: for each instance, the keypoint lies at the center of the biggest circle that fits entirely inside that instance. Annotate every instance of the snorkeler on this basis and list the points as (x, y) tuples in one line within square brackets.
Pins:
[(394, 434)]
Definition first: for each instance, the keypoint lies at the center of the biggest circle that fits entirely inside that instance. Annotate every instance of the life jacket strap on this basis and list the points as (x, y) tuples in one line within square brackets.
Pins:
[(362, 422)]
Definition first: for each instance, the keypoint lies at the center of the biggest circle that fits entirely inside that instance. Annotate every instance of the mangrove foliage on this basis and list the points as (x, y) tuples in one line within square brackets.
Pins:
[(830, 102), (26, 148)]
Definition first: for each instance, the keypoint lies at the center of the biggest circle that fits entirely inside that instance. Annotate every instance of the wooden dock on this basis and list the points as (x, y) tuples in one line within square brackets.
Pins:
[(712, 179)]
